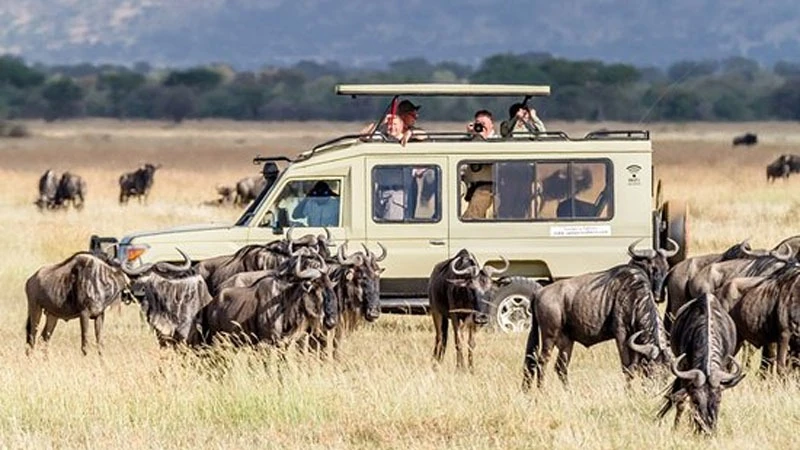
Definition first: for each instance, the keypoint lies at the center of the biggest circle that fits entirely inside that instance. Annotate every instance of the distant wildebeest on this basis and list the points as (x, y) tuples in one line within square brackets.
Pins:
[(619, 304), (137, 183), (745, 139), (777, 169), (71, 190), (460, 291), (48, 188), (248, 188), (171, 298), (793, 161), (679, 276), (704, 338), (558, 186), (284, 306), (81, 286)]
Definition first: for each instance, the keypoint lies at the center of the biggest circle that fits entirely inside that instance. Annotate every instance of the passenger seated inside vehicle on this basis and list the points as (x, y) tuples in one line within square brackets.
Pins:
[(320, 207), (391, 194)]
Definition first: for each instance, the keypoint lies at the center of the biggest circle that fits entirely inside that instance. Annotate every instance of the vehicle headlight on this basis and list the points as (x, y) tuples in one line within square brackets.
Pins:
[(131, 252)]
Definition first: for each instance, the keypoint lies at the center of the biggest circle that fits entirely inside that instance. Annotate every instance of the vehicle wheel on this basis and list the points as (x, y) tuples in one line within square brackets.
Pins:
[(511, 308), (676, 214)]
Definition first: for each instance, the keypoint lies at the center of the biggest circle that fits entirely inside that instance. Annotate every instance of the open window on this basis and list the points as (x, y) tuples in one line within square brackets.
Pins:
[(308, 203), (406, 193)]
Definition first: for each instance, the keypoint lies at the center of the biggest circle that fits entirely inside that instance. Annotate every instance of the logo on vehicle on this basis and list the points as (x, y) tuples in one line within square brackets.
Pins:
[(633, 175)]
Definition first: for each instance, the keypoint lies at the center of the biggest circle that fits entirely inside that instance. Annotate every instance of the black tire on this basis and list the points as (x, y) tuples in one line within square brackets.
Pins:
[(676, 214), (510, 311)]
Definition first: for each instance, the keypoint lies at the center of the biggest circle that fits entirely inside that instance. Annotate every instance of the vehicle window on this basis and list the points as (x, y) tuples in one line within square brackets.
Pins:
[(309, 203), (536, 190), (405, 193)]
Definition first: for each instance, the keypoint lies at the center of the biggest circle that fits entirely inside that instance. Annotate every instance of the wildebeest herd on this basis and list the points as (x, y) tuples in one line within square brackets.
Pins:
[(59, 191), (294, 292)]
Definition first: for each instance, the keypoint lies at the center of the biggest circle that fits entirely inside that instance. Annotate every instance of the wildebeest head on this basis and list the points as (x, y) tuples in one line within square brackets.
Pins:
[(705, 390), (316, 289), (48, 186), (360, 281), (475, 282), (318, 243), (654, 263)]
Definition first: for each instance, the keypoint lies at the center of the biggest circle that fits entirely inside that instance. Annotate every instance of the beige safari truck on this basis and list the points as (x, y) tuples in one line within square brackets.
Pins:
[(552, 205)]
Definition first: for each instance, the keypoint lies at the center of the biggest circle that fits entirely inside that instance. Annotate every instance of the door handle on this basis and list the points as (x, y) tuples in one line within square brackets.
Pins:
[(436, 242)]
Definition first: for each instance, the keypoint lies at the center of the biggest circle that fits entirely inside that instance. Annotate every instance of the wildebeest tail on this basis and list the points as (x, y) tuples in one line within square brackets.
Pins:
[(28, 330), (531, 363)]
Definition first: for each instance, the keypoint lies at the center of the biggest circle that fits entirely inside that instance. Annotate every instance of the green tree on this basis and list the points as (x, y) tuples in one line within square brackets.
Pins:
[(14, 72), (684, 70), (198, 78), (785, 101), (119, 85), (178, 103), (508, 68), (63, 97)]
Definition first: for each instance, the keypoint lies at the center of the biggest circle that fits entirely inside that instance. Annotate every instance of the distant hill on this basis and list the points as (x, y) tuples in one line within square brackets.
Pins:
[(252, 33)]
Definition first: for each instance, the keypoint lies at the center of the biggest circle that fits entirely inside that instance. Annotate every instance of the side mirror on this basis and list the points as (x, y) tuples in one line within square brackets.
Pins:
[(281, 221)]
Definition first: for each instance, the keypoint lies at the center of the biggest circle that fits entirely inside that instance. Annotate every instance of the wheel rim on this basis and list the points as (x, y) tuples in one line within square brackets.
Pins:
[(514, 314)]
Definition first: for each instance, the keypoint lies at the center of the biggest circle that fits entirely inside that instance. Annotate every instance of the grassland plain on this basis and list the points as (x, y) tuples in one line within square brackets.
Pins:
[(385, 392)]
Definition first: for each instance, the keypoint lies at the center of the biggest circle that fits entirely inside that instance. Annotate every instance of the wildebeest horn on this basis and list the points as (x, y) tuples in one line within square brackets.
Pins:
[(137, 271), (383, 253), (491, 270), (327, 234), (695, 375), (748, 250), (649, 350), (674, 251), (727, 377), (783, 256), (467, 271), (187, 263), (640, 254), (340, 256), (309, 273)]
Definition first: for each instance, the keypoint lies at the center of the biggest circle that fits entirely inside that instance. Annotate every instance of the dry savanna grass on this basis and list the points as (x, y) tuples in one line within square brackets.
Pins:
[(385, 392)]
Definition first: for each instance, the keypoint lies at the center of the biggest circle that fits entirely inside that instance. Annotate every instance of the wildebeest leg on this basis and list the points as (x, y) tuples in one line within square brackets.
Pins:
[(34, 316), (84, 318), (768, 355), (680, 406), (471, 330), (565, 346), (625, 358), (548, 342), (49, 326), (98, 332), (458, 328), (440, 324), (783, 351)]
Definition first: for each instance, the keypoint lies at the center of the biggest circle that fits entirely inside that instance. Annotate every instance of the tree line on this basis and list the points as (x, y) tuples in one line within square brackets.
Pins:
[(733, 89)]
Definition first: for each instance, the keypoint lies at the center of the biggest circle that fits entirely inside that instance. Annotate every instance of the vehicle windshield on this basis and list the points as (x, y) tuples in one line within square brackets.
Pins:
[(250, 212)]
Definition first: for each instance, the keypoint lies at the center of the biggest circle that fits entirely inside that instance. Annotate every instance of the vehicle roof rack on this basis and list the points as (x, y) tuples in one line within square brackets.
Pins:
[(444, 89), (618, 134)]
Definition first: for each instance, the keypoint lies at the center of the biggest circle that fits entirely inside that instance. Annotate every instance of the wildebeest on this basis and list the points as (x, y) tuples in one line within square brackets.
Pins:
[(704, 337), (171, 298), (619, 304), (768, 311), (793, 161), (777, 169), (81, 286), (745, 139), (556, 186), (284, 305), (248, 188), (679, 276), (71, 190), (137, 183), (48, 188), (459, 290)]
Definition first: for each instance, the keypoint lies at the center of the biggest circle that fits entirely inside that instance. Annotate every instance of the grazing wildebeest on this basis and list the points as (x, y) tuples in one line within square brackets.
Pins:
[(248, 188), (710, 278), (283, 306), (768, 312), (71, 190), (619, 304), (171, 298), (793, 161), (137, 183), (82, 286), (678, 277), (48, 188), (556, 186), (460, 290), (778, 169), (704, 337), (745, 139)]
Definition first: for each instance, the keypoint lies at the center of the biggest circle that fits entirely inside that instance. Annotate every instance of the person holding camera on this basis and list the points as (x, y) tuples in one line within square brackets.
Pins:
[(521, 117), (482, 127)]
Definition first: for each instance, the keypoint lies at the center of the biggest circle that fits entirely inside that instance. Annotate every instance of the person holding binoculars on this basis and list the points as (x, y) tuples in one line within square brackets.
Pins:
[(482, 127)]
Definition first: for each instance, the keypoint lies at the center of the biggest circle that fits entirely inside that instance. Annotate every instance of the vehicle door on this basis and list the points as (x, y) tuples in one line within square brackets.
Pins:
[(406, 213), (307, 205)]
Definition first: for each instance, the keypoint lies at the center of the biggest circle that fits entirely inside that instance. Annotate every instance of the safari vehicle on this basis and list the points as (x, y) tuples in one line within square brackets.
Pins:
[(554, 206)]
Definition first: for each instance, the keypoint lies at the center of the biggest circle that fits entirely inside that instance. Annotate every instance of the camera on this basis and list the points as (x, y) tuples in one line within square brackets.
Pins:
[(478, 127)]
